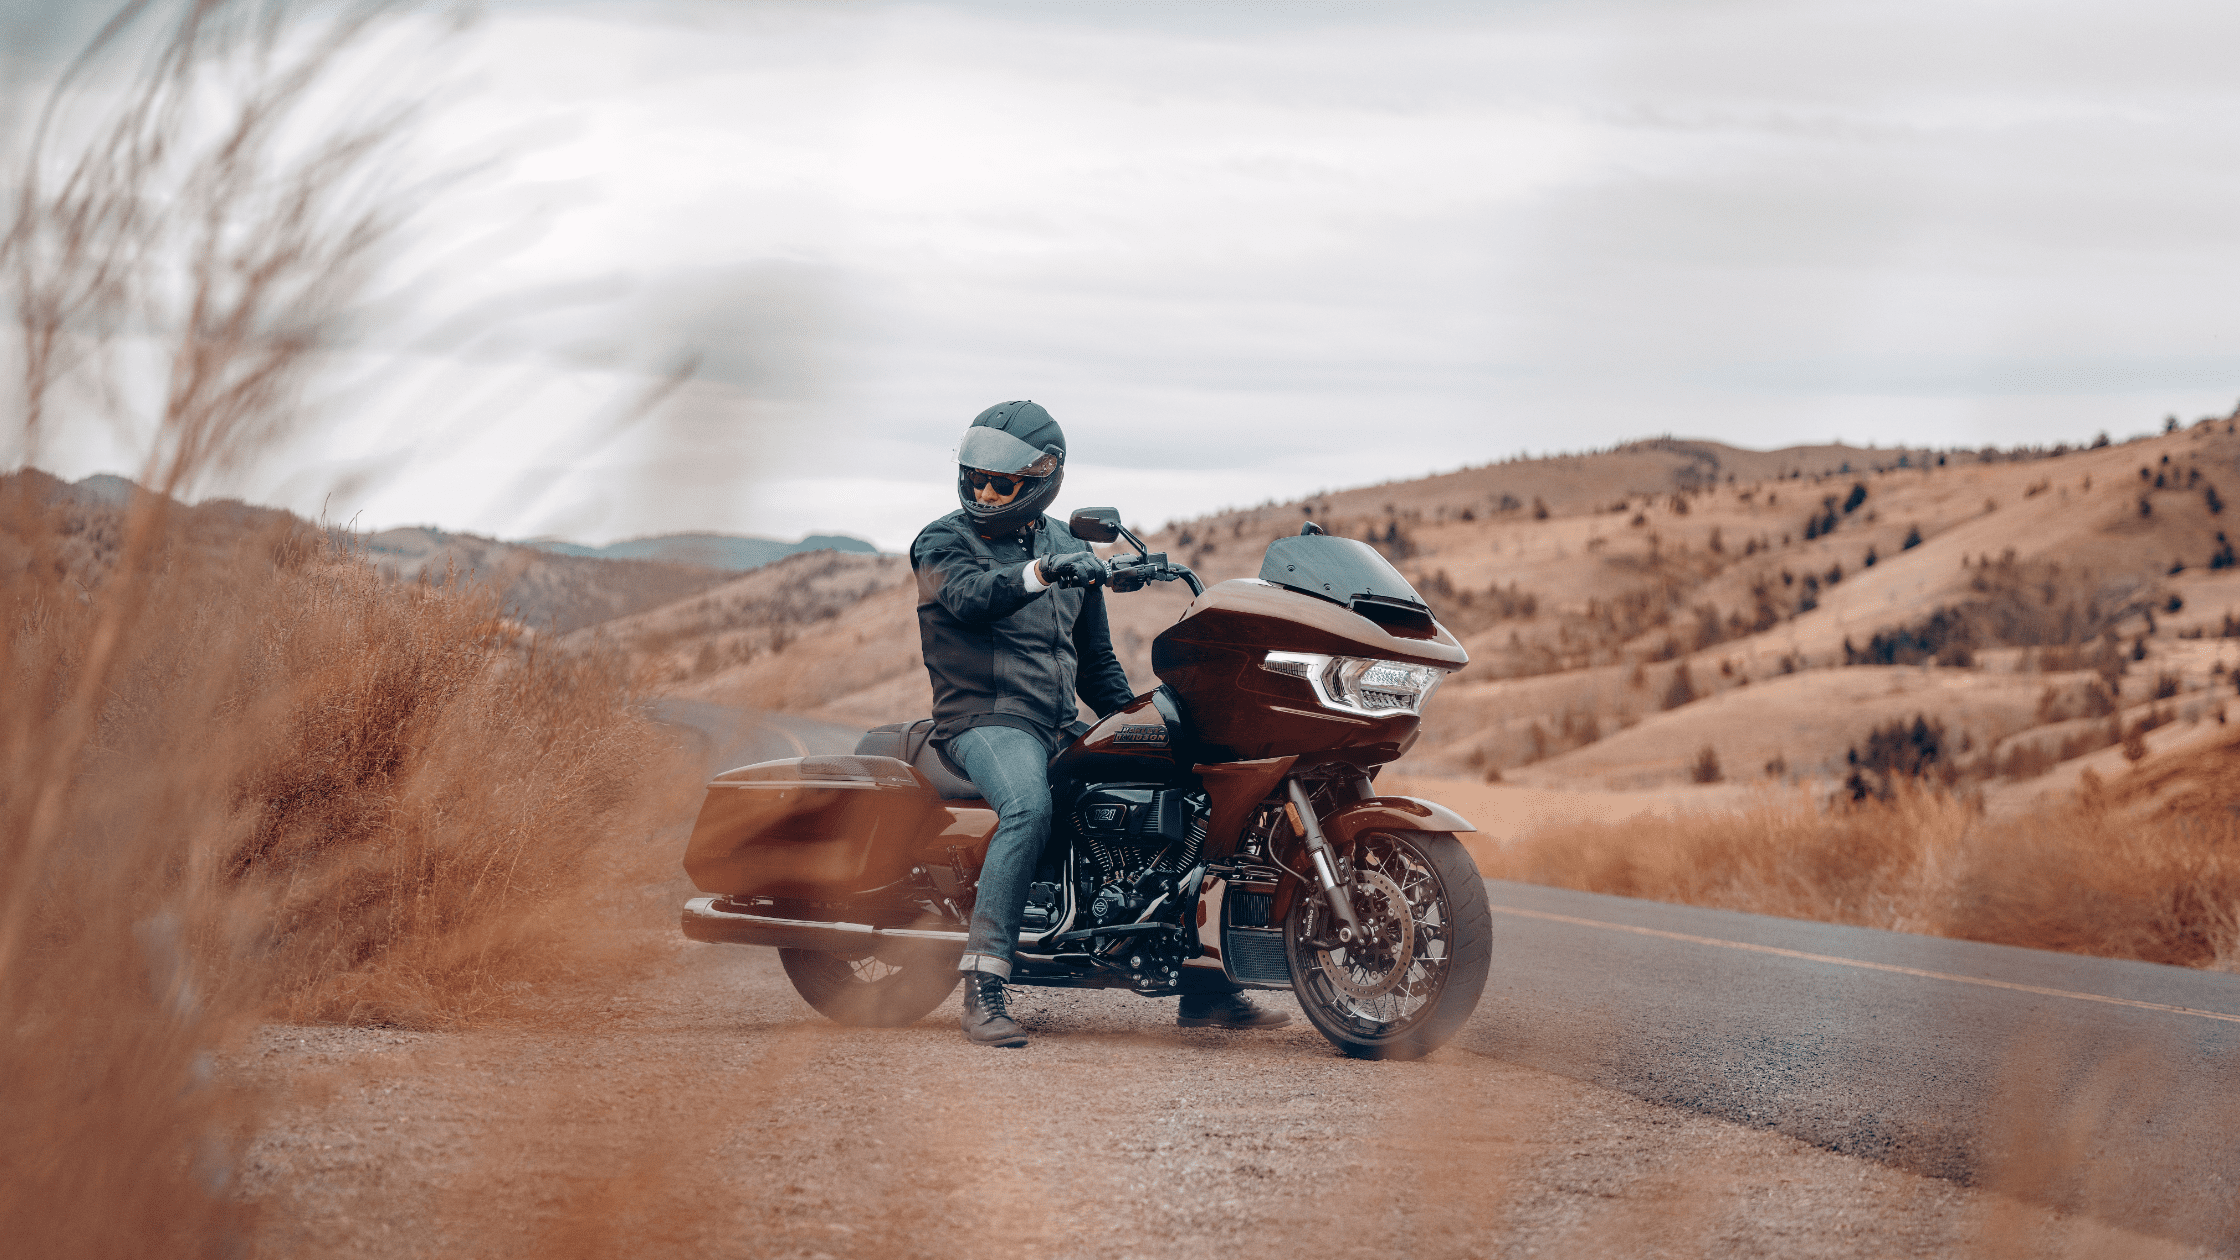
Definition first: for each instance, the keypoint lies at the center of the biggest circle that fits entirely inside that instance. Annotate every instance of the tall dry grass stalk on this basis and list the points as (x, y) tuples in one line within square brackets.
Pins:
[(195, 205), (2092, 875), (241, 778)]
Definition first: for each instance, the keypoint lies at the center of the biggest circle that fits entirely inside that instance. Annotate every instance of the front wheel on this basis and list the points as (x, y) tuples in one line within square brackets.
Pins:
[(871, 991), (1408, 985)]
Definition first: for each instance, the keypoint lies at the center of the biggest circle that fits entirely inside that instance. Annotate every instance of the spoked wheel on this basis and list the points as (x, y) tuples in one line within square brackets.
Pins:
[(875, 990), (1408, 985)]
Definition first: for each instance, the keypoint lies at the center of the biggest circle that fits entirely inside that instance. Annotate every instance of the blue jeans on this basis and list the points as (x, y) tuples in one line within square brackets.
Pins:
[(1012, 770)]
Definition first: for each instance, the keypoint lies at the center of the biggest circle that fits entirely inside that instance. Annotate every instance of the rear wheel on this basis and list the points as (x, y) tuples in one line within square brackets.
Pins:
[(882, 990), (1405, 988)]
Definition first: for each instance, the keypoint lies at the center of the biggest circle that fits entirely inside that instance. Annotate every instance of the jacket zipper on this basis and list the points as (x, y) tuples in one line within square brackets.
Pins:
[(1054, 722)]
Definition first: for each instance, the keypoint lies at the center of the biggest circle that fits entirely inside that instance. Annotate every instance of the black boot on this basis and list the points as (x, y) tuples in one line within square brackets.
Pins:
[(1226, 1010), (986, 1022)]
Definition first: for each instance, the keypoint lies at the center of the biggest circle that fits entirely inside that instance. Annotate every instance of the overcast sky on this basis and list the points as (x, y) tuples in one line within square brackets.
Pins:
[(1249, 250)]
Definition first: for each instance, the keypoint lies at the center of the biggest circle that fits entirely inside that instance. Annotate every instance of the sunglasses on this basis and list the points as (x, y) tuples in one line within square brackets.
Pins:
[(1005, 485)]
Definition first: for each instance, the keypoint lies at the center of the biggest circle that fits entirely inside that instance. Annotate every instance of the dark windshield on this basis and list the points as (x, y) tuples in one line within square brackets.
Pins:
[(1344, 570)]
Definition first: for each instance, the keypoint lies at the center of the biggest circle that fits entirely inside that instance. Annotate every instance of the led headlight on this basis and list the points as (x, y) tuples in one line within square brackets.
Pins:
[(1360, 684)]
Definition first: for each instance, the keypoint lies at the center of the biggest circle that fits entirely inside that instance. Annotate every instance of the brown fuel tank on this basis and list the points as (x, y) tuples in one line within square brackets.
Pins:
[(1239, 711), (1135, 745)]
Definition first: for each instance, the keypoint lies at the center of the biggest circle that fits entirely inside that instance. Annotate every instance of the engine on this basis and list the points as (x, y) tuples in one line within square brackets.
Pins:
[(1135, 844)]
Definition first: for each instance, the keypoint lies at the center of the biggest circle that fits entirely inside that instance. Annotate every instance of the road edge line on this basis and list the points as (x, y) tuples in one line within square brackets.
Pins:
[(1869, 966)]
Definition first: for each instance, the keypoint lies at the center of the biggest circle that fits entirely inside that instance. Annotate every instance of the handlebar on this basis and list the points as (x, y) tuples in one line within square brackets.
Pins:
[(1133, 573)]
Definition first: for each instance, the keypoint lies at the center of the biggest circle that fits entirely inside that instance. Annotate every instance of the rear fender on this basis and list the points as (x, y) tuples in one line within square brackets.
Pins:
[(1391, 813)]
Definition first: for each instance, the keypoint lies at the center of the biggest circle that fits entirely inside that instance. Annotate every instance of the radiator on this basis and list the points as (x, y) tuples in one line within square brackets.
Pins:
[(1255, 956)]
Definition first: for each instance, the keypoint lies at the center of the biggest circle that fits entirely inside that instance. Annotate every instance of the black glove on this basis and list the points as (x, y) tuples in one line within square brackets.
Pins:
[(1073, 568)]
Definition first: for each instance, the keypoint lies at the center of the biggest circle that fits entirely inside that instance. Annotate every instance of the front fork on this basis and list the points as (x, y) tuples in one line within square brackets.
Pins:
[(1339, 898)]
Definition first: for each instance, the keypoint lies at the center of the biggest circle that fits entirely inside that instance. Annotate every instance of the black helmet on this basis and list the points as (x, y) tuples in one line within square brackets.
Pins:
[(1015, 441)]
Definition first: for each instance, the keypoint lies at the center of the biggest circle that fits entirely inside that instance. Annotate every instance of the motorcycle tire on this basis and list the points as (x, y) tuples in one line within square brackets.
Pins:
[(868, 992), (1409, 988)]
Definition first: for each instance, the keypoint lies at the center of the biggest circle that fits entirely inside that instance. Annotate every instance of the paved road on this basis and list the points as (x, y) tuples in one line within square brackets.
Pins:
[(733, 737), (2086, 1083), (2091, 1084)]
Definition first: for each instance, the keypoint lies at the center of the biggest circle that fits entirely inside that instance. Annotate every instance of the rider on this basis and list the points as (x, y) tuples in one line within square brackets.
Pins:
[(1013, 627)]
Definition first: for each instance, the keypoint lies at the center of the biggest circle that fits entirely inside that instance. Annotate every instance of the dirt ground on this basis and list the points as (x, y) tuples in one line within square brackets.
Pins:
[(712, 1113)]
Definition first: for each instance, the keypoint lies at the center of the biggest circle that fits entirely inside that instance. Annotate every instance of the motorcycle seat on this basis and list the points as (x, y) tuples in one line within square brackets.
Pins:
[(912, 742)]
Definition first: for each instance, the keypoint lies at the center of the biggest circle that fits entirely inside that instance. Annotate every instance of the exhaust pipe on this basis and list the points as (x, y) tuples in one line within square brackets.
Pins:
[(702, 921)]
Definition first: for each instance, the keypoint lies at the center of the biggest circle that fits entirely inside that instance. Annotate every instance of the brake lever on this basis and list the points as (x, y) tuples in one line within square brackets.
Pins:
[(1133, 573)]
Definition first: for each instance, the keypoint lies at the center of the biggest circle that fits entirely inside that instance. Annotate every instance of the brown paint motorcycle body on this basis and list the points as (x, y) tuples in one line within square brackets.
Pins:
[(1223, 827)]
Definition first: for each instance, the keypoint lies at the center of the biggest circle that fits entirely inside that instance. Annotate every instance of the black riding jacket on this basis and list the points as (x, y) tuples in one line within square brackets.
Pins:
[(999, 654)]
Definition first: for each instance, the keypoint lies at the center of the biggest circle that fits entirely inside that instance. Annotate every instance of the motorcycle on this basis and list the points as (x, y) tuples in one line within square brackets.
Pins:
[(1224, 826)]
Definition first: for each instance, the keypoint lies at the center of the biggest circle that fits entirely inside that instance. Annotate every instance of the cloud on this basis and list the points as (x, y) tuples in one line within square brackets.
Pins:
[(36, 36), (1250, 250)]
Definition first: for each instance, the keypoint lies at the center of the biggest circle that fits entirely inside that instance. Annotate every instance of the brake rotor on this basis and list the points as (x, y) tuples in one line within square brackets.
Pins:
[(1391, 945)]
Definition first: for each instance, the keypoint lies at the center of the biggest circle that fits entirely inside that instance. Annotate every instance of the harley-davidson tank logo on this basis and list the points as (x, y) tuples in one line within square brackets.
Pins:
[(1155, 736)]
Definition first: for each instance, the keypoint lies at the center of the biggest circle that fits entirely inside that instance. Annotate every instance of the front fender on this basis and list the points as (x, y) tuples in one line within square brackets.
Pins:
[(1391, 813)]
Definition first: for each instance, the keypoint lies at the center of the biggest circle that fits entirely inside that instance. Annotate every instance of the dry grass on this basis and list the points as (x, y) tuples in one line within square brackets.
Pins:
[(258, 782), (242, 778), (2099, 874)]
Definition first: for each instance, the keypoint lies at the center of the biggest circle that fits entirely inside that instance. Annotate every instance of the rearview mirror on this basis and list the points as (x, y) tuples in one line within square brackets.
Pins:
[(1097, 524)]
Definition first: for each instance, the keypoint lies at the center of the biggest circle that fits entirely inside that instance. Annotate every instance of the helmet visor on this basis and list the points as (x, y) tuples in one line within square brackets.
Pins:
[(994, 451)]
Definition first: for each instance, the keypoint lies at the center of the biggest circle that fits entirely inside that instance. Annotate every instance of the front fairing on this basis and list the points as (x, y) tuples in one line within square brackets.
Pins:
[(1239, 711)]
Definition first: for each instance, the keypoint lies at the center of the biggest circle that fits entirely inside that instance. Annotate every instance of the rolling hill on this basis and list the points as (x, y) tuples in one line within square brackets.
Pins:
[(1628, 609), (1659, 618)]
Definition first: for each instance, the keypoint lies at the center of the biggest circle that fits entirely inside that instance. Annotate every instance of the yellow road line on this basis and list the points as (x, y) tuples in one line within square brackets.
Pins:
[(1869, 966)]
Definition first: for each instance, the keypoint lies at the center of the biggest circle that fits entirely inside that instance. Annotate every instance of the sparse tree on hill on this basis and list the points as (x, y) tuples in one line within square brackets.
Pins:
[(1706, 767)]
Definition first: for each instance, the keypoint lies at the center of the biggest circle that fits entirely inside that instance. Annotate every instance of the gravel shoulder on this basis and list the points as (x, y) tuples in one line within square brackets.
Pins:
[(712, 1113)]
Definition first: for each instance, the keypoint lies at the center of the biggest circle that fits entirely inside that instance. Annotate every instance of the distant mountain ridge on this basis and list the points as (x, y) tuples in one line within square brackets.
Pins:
[(735, 553), (547, 584), (544, 591), (547, 590)]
